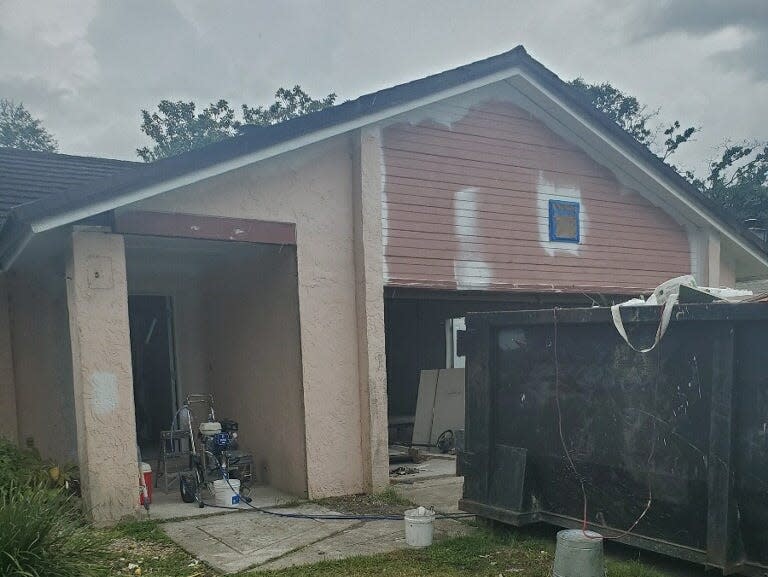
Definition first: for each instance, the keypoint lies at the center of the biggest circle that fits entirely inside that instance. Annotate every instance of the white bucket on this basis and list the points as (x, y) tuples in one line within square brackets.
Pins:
[(225, 495), (579, 554), (419, 527)]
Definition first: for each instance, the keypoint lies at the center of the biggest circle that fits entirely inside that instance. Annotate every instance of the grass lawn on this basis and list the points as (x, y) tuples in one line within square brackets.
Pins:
[(484, 553)]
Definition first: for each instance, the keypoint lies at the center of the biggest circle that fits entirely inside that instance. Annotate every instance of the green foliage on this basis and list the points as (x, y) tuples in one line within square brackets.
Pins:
[(625, 110), (18, 129), (738, 181), (25, 468), (288, 104), (634, 117), (141, 531), (42, 531), (42, 534), (177, 127)]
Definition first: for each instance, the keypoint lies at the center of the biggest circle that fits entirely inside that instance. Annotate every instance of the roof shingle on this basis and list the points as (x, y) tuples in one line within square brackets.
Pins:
[(27, 176)]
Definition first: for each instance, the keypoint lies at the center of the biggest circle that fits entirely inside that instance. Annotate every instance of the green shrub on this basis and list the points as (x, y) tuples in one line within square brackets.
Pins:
[(21, 467), (42, 530), (43, 535), (25, 467)]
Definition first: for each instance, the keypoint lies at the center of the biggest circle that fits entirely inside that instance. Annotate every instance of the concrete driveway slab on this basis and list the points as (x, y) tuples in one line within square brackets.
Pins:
[(242, 540), (363, 539), (231, 543)]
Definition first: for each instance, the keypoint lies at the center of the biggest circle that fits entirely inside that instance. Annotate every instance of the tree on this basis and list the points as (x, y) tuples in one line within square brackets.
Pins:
[(176, 127), (627, 112), (737, 180), (18, 129), (288, 104)]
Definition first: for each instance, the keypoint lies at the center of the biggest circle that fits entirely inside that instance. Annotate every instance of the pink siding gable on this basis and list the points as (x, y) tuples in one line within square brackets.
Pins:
[(465, 206)]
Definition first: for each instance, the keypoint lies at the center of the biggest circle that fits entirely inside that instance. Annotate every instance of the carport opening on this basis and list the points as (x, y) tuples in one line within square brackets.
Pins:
[(421, 335), (218, 318)]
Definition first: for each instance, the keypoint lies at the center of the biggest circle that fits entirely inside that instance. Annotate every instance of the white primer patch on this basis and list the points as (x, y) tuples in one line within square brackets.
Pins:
[(475, 273), (547, 190), (104, 397), (456, 108)]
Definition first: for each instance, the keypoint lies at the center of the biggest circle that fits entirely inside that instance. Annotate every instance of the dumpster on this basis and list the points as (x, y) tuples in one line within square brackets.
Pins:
[(665, 450)]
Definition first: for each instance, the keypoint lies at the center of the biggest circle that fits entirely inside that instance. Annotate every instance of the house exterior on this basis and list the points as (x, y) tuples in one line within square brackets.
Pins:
[(303, 273)]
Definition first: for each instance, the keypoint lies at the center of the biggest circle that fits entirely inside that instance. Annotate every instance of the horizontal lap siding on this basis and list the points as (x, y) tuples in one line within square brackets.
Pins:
[(465, 207)]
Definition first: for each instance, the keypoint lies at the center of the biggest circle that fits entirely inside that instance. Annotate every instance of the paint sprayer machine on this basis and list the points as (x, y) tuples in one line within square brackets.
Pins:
[(214, 458)]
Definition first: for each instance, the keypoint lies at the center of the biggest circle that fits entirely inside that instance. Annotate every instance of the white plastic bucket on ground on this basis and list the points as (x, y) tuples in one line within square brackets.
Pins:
[(419, 527), (579, 554), (225, 495)]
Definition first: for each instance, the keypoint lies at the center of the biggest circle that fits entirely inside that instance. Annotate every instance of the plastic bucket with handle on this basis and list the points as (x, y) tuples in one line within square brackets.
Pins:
[(226, 493), (419, 527)]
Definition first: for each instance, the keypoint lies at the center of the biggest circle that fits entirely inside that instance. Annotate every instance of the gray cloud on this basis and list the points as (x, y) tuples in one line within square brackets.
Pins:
[(87, 66), (742, 23)]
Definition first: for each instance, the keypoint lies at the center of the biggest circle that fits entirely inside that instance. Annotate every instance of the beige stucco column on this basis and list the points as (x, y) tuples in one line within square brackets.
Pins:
[(101, 361), (369, 299)]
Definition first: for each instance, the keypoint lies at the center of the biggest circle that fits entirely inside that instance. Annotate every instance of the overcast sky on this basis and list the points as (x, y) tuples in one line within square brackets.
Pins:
[(87, 67)]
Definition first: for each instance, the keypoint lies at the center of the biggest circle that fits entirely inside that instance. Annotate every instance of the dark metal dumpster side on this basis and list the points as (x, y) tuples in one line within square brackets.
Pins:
[(670, 446)]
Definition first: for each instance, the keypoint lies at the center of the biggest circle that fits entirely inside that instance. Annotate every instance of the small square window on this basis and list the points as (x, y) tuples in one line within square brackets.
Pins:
[(563, 221)]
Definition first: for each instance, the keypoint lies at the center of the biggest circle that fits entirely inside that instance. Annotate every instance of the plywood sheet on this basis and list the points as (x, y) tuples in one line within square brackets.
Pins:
[(449, 403), (425, 402), (439, 405)]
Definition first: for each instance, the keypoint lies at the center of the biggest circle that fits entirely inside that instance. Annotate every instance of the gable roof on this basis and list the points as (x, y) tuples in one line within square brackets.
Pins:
[(28, 176), (257, 143)]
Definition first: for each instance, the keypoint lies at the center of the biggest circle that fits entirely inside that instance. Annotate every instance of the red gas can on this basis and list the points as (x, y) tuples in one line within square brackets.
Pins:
[(146, 472)]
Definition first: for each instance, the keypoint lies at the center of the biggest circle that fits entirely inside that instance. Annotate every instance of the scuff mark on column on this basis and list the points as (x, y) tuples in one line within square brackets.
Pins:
[(468, 271)]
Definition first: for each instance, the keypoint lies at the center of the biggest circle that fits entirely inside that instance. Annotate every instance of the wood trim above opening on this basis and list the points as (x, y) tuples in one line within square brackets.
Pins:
[(181, 225)]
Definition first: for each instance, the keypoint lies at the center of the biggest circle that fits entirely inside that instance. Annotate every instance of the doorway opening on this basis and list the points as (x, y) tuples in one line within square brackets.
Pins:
[(154, 368)]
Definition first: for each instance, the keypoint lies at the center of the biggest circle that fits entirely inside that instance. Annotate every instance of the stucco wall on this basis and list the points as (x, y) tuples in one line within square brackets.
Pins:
[(313, 188), (369, 267), (41, 349), (254, 362), (8, 421), (97, 298)]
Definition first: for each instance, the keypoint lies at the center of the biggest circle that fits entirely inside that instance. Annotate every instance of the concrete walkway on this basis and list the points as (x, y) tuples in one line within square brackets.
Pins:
[(169, 506), (242, 540), (238, 540)]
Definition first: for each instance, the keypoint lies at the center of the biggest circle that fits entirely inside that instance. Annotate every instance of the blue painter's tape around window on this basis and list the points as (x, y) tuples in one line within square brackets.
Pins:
[(563, 221)]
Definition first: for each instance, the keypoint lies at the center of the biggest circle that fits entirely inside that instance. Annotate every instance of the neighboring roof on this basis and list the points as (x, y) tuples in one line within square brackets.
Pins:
[(27, 176), (255, 141)]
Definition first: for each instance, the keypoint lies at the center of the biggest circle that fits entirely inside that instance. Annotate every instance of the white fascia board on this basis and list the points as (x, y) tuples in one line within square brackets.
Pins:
[(648, 172), (235, 163)]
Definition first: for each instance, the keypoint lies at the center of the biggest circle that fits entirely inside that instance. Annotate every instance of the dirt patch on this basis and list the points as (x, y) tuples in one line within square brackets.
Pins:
[(152, 555), (387, 502)]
